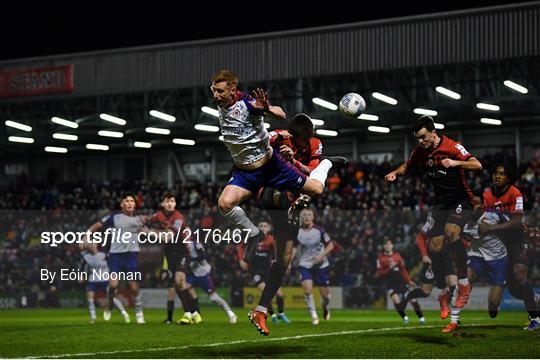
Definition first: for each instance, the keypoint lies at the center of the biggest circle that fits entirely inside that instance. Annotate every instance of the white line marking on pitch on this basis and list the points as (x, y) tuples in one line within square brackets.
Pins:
[(348, 332)]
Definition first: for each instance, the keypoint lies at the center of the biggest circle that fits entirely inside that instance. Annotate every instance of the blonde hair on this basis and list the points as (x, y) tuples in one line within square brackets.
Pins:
[(225, 76)]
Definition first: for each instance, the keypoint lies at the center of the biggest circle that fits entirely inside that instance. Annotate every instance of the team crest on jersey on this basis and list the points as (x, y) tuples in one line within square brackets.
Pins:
[(430, 162), (429, 274), (459, 209), (236, 113)]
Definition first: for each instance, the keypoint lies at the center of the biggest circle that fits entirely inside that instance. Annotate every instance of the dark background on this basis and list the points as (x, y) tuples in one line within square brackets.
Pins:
[(37, 30)]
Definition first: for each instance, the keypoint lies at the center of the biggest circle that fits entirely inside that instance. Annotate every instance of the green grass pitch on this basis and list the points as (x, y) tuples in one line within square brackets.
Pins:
[(349, 334)]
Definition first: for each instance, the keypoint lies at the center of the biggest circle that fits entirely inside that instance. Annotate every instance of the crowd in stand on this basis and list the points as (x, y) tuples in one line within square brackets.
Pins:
[(359, 211)]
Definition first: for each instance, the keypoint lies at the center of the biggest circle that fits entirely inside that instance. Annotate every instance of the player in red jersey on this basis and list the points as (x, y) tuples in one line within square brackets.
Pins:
[(299, 147), (260, 267), (391, 269), (444, 161), (506, 199), (172, 223)]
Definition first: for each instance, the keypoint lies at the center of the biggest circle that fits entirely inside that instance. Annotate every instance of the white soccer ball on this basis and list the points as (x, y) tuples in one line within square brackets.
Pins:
[(352, 105)]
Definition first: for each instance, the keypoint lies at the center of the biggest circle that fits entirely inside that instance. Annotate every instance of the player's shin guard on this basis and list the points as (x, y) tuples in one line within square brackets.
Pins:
[(219, 300), (275, 278), (170, 310)]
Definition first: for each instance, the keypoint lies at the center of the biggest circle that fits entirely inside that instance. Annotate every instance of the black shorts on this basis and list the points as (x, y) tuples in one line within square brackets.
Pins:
[(517, 247), (259, 273), (395, 283), (429, 277), (457, 212), (177, 261)]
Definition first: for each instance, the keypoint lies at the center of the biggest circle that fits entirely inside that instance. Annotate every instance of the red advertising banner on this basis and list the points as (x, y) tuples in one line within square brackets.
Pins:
[(36, 81)]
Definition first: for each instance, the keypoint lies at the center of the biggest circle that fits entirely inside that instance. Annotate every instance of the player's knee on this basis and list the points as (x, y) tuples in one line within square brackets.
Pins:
[(313, 187), (225, 205)]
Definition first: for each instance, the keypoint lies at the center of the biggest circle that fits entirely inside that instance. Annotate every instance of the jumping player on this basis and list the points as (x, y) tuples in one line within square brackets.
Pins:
[(445, 161)]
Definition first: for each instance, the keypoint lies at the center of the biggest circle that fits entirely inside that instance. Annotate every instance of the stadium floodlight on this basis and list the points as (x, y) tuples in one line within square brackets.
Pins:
[(210, 111), (489, 107), (325, 132), (209, 128), (113, 119), (142, 144), (162, 116), (368, 117), (64, 122), (489, 121), (317, 122), (97, 147), (113, 134), (324, 103), (21, 139), (159, 131), (384, 98), (439, 126), (421, 111), (18, 126), (56, 149), (512, 85), (379, 129), (447, 92), (61, 136), (183, 141)]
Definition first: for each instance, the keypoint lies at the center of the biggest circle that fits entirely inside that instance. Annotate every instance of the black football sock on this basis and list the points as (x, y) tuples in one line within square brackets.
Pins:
[(275, 278), (187, 300), (280, 304), (170, 309), (196, 305), (417, 309), (527, 294), (400, 310), (460, 256)]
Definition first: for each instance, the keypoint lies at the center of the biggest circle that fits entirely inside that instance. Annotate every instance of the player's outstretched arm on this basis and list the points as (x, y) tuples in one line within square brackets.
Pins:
[(261, 102), (514, 223), (471, 164), (400, 171), (86, 244)]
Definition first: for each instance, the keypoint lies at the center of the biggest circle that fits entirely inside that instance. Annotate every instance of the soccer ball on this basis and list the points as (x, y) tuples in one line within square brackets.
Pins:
[(352, 105)]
